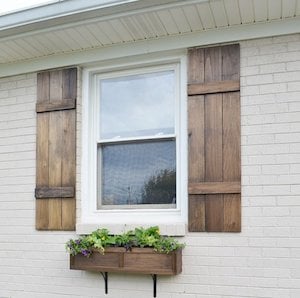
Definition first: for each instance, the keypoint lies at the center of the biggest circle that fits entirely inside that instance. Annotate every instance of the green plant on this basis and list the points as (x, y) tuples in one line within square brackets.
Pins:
[(140, 237)]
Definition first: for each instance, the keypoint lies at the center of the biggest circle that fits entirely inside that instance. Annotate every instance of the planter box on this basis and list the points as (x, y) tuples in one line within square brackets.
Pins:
[(137, 260)]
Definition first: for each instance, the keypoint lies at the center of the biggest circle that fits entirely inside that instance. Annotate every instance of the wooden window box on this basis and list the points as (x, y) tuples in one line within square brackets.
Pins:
[(137, 260)]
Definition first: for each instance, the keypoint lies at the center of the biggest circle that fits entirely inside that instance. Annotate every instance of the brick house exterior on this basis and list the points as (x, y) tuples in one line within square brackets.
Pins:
[(260, 261)]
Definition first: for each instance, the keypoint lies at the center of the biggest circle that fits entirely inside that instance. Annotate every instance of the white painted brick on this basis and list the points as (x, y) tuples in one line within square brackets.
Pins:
[(261, 261), (294, 86), (286, 76), (276, 189), (294, 65), (259, 79), (275, 169), (273, 48), (261, 139), (273, 88), (271, 68)]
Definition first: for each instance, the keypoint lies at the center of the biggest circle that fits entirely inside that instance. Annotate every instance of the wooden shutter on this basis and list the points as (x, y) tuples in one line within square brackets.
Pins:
[(56, 132), (214, 139)]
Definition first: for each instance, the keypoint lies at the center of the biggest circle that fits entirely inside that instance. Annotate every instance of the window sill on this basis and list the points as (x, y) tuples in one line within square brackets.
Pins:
[(174, 229)]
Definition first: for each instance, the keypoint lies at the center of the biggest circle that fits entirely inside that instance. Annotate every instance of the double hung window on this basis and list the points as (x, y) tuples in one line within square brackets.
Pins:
[(136, 148), (133, 158)]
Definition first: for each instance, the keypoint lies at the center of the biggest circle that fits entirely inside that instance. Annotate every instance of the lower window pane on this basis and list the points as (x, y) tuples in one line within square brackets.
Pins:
[(137, 175)]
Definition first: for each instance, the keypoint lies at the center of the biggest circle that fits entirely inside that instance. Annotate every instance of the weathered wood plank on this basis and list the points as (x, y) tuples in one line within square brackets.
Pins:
[(69, 90), (56, 140), (55, 192), (213, 138), (42, 154), (214, 188), (195, 66), (196, 213), (231, 62), (231, 137), (196, 139), (232, 213), (213, 87), (214, 215), (65, 104)]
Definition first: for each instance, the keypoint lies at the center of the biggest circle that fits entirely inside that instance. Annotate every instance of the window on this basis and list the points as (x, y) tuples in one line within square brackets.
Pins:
[(132, 167), (137, 141)]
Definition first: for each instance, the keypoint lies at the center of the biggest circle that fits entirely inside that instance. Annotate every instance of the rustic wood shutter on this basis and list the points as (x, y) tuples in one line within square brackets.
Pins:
[(214, 139), (56, 133)]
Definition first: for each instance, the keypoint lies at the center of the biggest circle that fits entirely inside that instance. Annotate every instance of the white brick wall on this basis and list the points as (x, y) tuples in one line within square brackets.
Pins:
[(262, 261)]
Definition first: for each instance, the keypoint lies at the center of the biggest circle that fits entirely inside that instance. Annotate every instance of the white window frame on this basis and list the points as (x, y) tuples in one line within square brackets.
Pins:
[(118, 219)]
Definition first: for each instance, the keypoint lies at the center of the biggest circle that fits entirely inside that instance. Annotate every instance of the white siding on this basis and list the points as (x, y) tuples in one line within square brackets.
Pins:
[(261, 261)]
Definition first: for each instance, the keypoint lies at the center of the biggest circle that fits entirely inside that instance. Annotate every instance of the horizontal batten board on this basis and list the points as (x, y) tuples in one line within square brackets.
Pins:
[(65, 104), (54, 192), (213, 87), (202, 188)]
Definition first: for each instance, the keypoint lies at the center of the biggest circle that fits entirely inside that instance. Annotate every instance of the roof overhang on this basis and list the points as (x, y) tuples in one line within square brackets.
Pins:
[(82, 31)]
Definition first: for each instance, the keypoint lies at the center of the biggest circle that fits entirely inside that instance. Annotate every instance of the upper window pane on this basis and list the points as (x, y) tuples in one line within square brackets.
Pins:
[(137, 105)]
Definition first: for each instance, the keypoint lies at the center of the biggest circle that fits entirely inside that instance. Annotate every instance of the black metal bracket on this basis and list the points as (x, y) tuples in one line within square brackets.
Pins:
[(105, 277), (154, 277)]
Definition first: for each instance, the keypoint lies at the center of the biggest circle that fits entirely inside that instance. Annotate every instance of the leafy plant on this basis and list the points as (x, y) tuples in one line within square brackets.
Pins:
[(140, 237)]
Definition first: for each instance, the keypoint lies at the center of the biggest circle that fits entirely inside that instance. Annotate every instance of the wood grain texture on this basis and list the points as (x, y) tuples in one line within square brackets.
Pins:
[(213, 87), (214, 170), (214, 215), (196, 139), (137, 260), (196, 221), (214, 188), (56, 139), (42, 144), (213, 138), (65, 104), (232, 213), (56, 149), (54, 192), (195, 66), (69, 90)]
